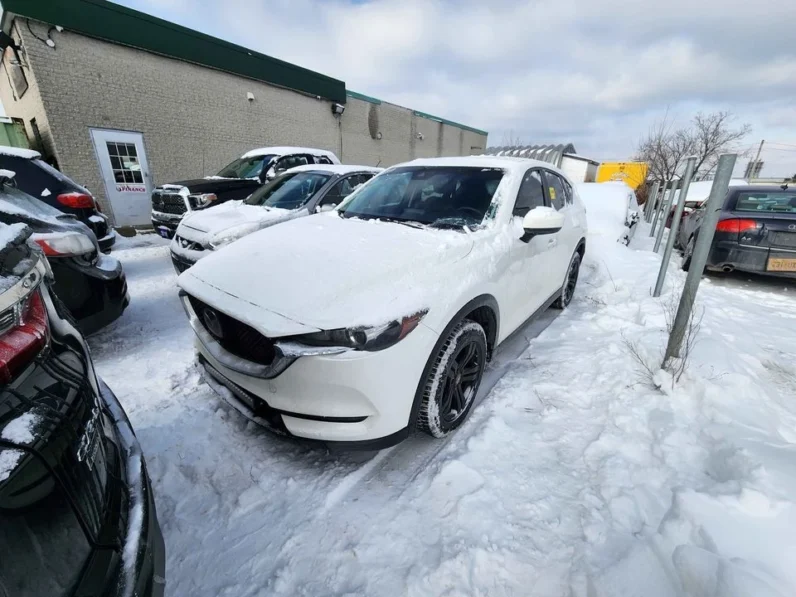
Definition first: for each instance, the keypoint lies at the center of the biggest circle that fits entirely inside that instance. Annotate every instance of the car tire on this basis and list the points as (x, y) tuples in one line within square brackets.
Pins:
[(688, 252), (570, 283), (452, 383)]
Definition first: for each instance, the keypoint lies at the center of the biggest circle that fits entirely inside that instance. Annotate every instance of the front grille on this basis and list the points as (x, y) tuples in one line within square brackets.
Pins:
[(8, 319), (189, 244), (168, 203), (236, 337), (782, 239)]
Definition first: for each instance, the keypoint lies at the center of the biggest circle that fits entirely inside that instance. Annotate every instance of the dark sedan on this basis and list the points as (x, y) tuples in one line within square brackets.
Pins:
[(92, 285), (77, 515), (756, 232)]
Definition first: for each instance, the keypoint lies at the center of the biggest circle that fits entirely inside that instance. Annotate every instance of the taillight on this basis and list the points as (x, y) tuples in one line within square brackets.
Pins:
[(76, 200), (736, 226), (63, 244), (26, 336)]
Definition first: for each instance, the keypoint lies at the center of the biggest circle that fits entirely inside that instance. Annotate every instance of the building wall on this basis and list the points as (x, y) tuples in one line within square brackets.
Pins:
[(195, 119), (29, 107)]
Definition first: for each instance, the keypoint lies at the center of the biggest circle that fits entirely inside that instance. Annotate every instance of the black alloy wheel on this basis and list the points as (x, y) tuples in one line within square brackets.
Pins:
[(568, 290), (451, 386)]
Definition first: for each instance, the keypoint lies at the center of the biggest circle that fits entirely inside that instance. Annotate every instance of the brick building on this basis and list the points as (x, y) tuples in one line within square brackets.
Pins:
[(83, 74)]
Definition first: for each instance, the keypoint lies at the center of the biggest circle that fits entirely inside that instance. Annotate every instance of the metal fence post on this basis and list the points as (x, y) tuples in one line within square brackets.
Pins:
[(667, 207), (658, 209), (678, 213), (652, 195), (700, 256)]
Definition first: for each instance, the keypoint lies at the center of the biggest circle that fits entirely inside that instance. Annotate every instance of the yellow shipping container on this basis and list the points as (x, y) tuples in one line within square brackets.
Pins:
[(632, 173)]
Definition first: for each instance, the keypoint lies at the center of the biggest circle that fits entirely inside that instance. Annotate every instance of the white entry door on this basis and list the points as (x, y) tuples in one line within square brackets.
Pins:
[(125, 171)]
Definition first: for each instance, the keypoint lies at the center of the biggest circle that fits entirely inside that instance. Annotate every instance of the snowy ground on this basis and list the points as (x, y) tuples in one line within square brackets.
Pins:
[(575, 476)]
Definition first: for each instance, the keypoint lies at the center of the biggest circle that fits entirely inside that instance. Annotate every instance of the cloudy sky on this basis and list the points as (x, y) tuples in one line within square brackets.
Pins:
[(593, 72)]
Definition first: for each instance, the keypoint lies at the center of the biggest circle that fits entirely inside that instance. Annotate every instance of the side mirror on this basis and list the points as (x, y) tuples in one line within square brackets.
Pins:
[(7, 177), (541, 220)]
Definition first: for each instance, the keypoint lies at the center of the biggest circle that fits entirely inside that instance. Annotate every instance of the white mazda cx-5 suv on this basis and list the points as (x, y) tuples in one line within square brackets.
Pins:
[(357, 326)]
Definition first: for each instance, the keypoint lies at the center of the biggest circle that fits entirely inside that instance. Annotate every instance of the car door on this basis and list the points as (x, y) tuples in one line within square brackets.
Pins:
[(564, 241), (528, 279)]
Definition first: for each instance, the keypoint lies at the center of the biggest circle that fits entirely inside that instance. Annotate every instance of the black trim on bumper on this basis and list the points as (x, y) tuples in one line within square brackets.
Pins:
[(746, 258)]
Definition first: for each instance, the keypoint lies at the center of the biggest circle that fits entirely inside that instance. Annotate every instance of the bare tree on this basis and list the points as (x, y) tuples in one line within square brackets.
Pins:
[(510, 139), (706, 137)]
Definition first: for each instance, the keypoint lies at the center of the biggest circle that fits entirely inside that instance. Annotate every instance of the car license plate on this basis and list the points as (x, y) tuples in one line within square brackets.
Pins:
[(778, 264), (163, 232)]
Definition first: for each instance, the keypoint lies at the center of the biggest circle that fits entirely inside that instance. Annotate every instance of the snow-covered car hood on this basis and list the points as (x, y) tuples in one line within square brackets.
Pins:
[(202, 225), (326, 272)]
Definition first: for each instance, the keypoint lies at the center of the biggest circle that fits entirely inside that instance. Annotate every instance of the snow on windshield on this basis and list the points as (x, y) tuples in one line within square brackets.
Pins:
[(15, 202), (21, 429)]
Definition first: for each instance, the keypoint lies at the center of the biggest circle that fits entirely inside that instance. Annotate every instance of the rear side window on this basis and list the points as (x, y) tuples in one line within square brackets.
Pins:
[(555, 190), (531, 193), (322, 159), (766, 202)]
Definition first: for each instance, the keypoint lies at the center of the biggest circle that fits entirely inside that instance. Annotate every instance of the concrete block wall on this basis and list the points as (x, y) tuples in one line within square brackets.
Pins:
[(195, 119)]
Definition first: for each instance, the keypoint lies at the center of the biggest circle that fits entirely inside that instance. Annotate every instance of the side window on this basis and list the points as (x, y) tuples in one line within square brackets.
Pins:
[(322, 159), (339, 191), (531, 193), (555, 190), (290, 161), (568, 191)]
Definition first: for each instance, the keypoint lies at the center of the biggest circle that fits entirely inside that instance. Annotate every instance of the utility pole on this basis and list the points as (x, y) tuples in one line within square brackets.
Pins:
[(666, 207), (721, 183), (759, 149), (678, 214)]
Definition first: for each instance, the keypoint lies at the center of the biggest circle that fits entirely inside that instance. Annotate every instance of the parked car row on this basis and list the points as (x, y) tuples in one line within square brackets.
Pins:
[(239, 179)]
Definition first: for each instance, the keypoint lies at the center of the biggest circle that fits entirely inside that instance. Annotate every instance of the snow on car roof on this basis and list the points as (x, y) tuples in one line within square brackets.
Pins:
[(18, 152), (288, 150), (510, 164), (335, 168)]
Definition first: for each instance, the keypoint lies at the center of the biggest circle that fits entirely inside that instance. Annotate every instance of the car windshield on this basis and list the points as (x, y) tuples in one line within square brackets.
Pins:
[(440, 196), (767, 202), (246, 167), (290, 191)]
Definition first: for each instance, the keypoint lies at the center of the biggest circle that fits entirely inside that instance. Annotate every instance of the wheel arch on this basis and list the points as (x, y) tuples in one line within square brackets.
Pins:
[(581, 248), (484, 310)]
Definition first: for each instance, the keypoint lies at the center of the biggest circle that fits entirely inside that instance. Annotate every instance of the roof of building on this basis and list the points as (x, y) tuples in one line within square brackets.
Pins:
[(552, 154), (119, 24), (253, 153)]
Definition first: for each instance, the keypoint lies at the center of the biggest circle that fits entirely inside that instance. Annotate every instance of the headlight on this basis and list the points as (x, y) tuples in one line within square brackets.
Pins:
[(358, 338), (232, 234), (203, 199)]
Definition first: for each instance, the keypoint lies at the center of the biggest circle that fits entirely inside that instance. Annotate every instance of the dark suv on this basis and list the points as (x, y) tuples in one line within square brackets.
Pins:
[(756, 232), (77, 515), (38, 179), (237, 180)]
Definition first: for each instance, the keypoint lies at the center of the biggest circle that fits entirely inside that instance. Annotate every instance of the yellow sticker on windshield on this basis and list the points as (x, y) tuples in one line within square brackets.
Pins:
[(552, 193)]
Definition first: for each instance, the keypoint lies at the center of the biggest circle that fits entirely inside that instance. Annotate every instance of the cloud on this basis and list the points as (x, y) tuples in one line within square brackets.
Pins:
[(595, 73)]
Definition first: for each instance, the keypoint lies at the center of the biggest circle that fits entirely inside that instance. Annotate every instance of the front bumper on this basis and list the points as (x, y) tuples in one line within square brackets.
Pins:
[(166, 224), (349, 400), (726, 255), (95, 295), (144, 569)]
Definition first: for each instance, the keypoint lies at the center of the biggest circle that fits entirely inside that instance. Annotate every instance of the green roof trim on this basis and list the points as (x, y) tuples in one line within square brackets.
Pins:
[(449, 122), (363, 97), (122, 25)]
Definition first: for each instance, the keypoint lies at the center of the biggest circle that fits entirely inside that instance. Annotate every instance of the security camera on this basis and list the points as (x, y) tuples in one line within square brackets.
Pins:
[(338, 109), (420, 136), (250, 96)]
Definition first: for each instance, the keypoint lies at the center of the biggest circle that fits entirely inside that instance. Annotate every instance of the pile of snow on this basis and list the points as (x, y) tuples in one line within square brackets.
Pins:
[(576, 475), (612, 209), (21, 430)]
